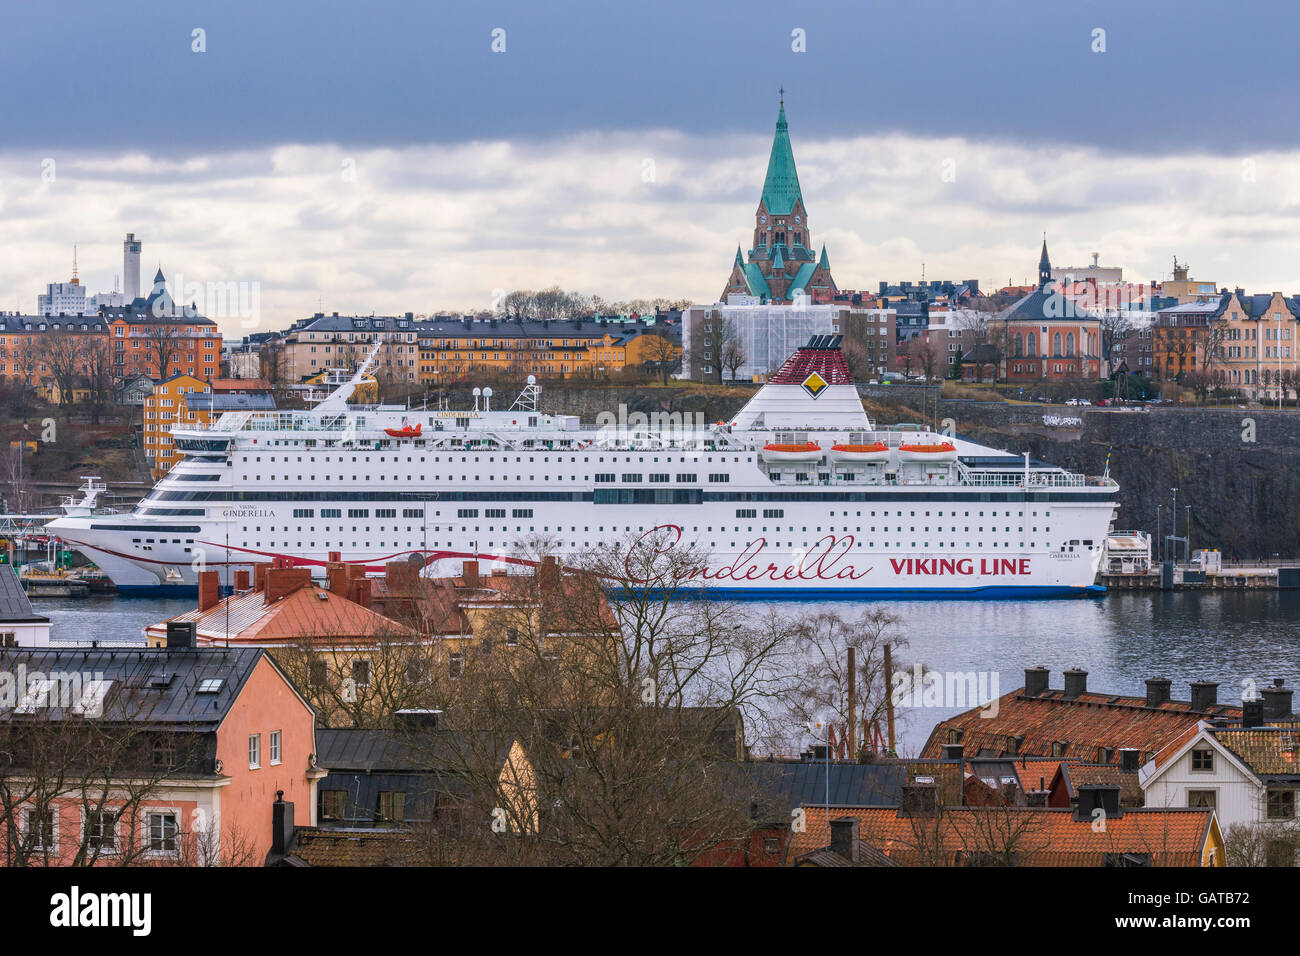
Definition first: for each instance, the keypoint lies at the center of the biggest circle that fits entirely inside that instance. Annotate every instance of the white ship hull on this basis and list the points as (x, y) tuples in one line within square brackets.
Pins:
[(495, 486)]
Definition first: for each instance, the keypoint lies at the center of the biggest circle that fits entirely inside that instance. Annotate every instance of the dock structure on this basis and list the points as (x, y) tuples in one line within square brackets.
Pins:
[(1169, 577)]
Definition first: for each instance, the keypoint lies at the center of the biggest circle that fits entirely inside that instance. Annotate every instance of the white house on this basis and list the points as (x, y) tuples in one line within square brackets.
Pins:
[(1248, 774), (20, 626)]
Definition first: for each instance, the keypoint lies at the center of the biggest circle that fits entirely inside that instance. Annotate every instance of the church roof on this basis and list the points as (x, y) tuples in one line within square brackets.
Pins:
[(756, 280), (802, 277), (781, 187)]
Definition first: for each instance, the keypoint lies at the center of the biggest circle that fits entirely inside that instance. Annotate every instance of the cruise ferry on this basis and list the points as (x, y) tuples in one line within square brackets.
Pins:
[(798, 495)]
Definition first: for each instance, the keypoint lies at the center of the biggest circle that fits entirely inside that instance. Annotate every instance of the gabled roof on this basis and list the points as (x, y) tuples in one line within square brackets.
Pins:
[(756, 281), (15, 608), (803, 277), (1267, 751), (781, 185)]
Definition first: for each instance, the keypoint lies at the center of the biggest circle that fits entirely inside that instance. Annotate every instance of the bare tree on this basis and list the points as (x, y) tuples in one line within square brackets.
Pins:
[(733, 356), (63, 353), (163, 341), (709, 340), (662, 350)]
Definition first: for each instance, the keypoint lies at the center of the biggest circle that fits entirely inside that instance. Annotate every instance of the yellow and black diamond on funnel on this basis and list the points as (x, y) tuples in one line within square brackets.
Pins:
[(814, 384)]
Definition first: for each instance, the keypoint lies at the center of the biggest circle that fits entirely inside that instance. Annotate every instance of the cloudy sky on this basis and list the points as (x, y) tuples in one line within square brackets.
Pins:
[(381, 156)]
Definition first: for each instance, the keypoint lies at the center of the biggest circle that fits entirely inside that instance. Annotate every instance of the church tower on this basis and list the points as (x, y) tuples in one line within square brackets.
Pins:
[(781, 260)]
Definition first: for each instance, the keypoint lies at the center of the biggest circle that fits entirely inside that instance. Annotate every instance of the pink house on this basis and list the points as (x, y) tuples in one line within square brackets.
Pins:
[(159, 756)]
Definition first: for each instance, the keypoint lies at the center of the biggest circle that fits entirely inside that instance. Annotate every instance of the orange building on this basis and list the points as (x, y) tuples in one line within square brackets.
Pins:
[(168, 406), (152, 336), (221, 732)]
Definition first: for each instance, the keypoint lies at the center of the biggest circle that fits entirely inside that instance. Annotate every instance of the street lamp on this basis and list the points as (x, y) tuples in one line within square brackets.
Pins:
[(1173, 517)]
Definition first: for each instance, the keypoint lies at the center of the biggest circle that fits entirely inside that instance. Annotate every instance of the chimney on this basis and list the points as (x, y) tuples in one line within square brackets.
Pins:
[(1277, 701), (1036, 680), (336, 575), (1205, 694), (400, 575), (282, 581), (844, 838), (548, 573), (953, 752), (181, 635), (1157, 691), (363, 592), (281, 824), (1037, 798), (1076, 683), (469, 571), (1097, 796), (1252, 713), (209, 589), (241, 579), (919, 800), (1129, 758)]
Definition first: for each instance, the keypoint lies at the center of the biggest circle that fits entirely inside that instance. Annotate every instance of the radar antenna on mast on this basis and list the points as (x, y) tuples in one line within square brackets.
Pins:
[(527, 400)]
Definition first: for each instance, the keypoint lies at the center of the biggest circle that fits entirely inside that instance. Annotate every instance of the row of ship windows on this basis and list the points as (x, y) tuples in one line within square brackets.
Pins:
[(630, 478), (499, 513), (589, 544), (505, 459)]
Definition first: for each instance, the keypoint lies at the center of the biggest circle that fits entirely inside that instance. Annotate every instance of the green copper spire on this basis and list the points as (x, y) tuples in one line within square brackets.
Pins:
[(825, 263), (740, 261), (781, 187), (778, 262)]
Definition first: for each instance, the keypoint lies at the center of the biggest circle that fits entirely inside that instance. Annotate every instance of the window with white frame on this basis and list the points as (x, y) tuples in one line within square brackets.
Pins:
[(101, 830), (275, 746), (254, 751), (39, 829), (162, 831)]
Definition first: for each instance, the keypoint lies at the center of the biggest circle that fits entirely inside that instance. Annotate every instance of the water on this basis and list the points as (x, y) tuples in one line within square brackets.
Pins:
[(107, 618), (1120, 639)]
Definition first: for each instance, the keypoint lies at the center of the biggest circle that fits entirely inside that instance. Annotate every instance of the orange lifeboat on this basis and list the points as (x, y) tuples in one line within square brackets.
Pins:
[(805, 452), (942, 451), (406, 431), (875, 451)]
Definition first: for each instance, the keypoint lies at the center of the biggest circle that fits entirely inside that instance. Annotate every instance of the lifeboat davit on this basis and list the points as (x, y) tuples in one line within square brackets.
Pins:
[(875, 451), (942, 451), (406, 431), (806, 452)]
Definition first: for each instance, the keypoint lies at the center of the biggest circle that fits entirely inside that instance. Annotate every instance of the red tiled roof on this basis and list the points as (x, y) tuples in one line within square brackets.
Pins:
[(309, 613), (1037, 774), (1039, 836), (1267, 751), (1084, 724)]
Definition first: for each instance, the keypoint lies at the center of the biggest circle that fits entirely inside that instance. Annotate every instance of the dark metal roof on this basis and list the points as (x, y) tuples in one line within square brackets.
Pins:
[(150, 685), (790, 784), (14, 606)]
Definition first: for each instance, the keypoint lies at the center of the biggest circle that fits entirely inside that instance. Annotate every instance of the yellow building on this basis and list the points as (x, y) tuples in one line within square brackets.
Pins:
[(167, 406), (457, 352)]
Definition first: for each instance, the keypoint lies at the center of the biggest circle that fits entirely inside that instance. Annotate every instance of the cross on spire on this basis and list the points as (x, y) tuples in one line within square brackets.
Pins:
[(781, 92)]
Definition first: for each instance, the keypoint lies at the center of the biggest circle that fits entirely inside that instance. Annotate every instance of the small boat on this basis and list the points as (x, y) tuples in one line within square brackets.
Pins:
[(942, 451), (806, 452), (875, 451), (406, 431)]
